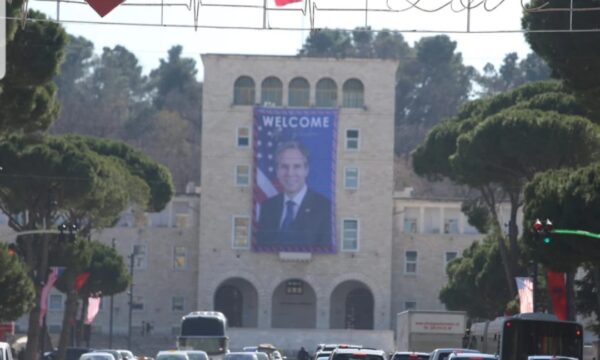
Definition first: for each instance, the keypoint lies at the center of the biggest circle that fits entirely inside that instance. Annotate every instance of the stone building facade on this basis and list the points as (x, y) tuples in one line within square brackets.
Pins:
[(197, 254)]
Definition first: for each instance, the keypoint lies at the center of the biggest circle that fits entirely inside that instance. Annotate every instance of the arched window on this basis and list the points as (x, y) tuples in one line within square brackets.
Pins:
[(243, 91), (298, 92), (354, 94), (326, 93), (271, 91)]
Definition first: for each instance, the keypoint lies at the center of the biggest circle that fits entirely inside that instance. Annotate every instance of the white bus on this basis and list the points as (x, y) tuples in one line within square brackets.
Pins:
[(204, 330)]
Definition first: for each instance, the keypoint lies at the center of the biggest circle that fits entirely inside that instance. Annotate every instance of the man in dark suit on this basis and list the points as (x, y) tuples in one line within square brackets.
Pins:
[(298, 215)]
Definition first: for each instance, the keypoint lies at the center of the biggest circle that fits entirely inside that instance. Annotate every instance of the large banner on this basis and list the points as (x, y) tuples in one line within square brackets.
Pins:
[(294, 180)]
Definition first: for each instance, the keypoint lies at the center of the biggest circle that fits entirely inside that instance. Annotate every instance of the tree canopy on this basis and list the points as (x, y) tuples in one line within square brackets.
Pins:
[(499, 143), (33, 55), (16, 287), (572, 56), (476, 281)]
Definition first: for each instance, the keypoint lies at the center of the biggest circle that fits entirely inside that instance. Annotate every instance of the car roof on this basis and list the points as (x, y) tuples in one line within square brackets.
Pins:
[(98, 353), (411, 352), (361, 351), (472, 355), (172, 352)]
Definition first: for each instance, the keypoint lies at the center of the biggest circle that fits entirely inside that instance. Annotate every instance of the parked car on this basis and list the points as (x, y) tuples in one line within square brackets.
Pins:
[(410, 355), (196, 354), (472, 356), (444, 353), (550, 357), (245, 355), (357, 354), (97, 355), (172, 355), (116, 353), (126, 354), (73, 353)]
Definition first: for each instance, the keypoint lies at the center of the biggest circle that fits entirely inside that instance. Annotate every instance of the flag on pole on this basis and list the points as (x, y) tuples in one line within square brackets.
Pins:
[(285, 2), (525, 288), (80, 280), (92, 309), (55, 272), (556, 283)]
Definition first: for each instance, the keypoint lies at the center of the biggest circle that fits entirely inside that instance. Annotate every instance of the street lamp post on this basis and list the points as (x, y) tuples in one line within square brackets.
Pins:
[(131, 261), (110, 319)]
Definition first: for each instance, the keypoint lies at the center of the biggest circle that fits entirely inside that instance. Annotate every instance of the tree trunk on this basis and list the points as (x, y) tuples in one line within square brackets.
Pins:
[(33, 331), (68, 318)]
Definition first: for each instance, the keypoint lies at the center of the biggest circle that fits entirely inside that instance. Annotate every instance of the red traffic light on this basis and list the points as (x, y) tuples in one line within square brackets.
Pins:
[(537, 226), (548, 226)]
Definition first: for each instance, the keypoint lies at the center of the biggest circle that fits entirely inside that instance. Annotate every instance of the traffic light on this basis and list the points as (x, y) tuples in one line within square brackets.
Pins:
[(544, 230)]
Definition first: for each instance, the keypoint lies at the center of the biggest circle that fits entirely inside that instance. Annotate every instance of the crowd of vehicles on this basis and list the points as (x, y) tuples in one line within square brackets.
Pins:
[(521, 337)]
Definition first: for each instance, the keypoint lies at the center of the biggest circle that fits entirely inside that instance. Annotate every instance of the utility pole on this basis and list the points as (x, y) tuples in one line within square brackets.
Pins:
[(131, 259), (112, 307)]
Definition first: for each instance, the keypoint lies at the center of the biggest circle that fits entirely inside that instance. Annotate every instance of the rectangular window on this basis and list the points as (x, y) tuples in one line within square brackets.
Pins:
[(294, 287), (410, 305), (449, 256), (177, 303), (410, 259), (410, 225), (241, 232), (352, 139), (55, 302), (243, 137), (349, 235), (432, 220), (351, 178), (139, 256), (137, 303), (242, 175), (450, 226), (179, 257)]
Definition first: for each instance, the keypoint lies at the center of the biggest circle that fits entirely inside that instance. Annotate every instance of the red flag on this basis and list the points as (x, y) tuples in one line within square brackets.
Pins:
[(80, 280), (92, 309), (285, 2), (558, 293)]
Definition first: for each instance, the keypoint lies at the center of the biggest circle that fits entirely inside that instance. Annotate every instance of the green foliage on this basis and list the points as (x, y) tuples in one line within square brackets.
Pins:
[(476, 281), (108, 273), (570, 199), (74, 256), (571, 55), (512, 73), (33, 54), (16, 287), (530, 118), (156, 177), (478, 215), (587, 295)]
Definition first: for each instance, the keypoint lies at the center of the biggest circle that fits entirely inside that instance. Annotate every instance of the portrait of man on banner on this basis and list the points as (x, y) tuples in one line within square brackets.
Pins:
[(294, 191)]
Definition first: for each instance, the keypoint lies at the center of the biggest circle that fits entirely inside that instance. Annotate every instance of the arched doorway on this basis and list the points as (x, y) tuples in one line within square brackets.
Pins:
[(238, 300), (351, 306), (294, 305), (359, 309)]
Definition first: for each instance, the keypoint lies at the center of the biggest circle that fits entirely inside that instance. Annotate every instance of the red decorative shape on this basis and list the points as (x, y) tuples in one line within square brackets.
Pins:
[(103, 7), (285, 2)]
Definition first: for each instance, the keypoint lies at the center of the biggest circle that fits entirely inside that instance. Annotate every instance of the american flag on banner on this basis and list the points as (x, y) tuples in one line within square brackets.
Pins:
[(315, 130), (55, 272), (525, 289)]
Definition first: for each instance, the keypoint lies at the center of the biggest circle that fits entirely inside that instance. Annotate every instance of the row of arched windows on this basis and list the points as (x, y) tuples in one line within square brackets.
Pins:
[(271, 92)]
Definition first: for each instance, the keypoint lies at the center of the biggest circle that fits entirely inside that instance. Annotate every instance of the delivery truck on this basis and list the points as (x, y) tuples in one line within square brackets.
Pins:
[(426, 330)]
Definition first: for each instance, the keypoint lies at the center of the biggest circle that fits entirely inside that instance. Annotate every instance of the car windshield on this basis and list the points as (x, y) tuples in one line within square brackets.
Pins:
[(410, 357), (197, 356), (171, 357)]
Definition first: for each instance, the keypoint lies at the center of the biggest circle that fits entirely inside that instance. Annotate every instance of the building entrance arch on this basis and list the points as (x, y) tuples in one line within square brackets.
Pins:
[(237, 299), (294, 305), (352, 306)]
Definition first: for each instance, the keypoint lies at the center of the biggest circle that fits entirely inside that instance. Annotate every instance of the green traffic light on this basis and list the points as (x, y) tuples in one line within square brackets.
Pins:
[(547, 240)]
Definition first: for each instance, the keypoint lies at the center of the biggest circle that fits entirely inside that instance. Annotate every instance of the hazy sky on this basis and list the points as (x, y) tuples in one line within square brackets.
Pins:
[(150, 43)]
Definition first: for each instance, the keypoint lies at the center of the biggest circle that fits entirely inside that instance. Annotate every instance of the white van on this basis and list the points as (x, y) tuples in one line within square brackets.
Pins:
[(5, 351)]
